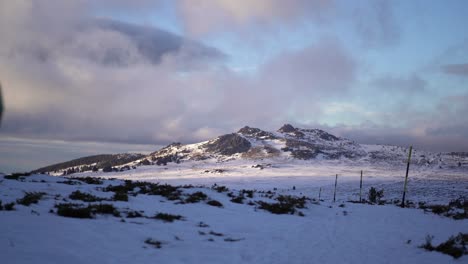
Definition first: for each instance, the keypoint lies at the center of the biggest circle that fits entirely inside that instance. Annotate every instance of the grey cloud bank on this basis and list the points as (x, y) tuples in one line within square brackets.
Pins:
[(68, 75)]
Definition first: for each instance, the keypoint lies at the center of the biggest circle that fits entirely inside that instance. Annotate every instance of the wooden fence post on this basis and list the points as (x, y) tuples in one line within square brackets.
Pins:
[(334, 193), (406, 178), (360, 189), (320, 192)]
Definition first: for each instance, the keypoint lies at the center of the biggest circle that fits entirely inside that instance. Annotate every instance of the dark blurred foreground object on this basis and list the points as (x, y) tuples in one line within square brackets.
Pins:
[(1, 104)]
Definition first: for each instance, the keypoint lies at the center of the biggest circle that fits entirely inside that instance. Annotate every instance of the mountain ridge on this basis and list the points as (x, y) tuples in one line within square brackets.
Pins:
[(286, 144)]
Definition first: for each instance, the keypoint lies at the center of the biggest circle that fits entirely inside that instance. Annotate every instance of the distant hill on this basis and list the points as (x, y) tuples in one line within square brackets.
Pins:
[(286, 144), (96, 161)]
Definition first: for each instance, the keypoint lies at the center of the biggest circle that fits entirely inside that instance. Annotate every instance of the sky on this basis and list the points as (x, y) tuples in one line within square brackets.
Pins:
[(86, 77)]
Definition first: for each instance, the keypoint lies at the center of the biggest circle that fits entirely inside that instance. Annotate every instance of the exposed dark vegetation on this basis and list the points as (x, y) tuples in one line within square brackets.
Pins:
[(88, 180), (286, 204), (249, 193), (101, 161), (165, 190), (120, 196), (134, 214), (214, 203), (455, 246), (233, 239), (70, 182), (9, 206), (375, 196), (215, 233), (17, 175), (104, 209), (85, 197), (73, 210), (201, 224), (219, 188), (154, 243), (167, 217), (196, 197), (30, 198), (456, 209), (80, 211), (238, 199)]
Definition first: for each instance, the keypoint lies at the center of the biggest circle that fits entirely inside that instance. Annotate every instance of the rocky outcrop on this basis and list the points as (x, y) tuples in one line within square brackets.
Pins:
[(287, 128), (322, 134), (228, 145), (256, 133)]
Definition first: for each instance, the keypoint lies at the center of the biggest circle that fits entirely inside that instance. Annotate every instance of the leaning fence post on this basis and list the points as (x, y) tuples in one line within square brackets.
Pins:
[(334, 193), (406, 178), (360, 189)]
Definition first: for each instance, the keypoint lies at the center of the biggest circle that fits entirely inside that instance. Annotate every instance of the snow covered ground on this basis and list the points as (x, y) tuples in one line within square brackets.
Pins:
[(340, 232), (426, 184)]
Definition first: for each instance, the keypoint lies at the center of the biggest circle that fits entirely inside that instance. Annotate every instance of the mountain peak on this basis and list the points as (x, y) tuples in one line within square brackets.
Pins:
[(255, 133), (287, 128)]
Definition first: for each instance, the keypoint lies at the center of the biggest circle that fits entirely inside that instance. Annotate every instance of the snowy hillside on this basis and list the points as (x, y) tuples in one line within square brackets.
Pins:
[(46, 219)]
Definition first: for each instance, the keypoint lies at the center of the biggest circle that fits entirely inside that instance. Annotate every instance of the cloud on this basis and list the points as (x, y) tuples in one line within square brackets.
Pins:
[(376, 24), (409, 85), (324, 67), (460, 69), (444, 129), (67, 75), (205, 16), (103, 80)]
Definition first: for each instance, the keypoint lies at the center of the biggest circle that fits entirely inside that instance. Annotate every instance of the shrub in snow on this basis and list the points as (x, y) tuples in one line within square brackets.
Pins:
[(298, 202), (30, 198), (215, 203), (232, 239), (107, 169), (167, 217), (249, 193), (88, 180), (196, 197), (201, 224), (104, 209), (277, 208), (287, 204), (9, 206), (155, 243), (85, 197), (74, 210), (216, 234), (120, 196), (454, 246), (134, 214), (239, 199), (219, 188), (79, 211), (166, 190), (17, 176), (457, 209), (375, 196)]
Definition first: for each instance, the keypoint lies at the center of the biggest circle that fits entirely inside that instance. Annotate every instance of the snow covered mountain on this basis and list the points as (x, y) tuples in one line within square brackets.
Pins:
[(285, 145), (290, 143)]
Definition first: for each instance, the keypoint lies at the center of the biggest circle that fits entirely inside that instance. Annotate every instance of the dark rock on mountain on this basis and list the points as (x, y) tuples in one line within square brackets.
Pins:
[(256, 133), (287, 128), (304, 154), (228, 144), (292, 143), (322, 134)]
